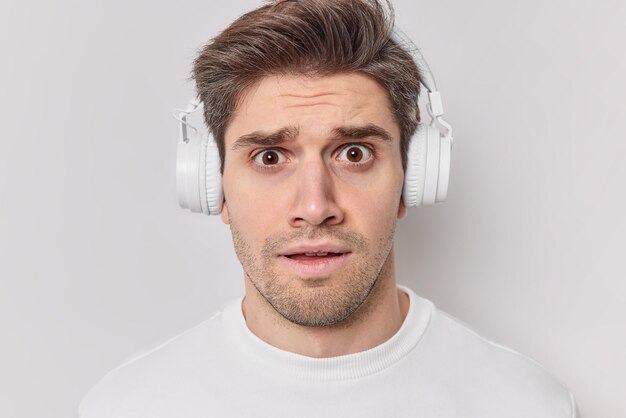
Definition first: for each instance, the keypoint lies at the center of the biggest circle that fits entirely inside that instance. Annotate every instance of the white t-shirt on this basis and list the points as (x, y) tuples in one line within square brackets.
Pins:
[(434, 366)]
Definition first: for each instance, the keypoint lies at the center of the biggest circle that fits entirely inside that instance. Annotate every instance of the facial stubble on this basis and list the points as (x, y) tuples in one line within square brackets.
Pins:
[(315, 302)]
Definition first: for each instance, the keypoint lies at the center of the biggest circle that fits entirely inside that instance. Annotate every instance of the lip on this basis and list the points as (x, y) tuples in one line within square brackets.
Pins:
[(315, 248), (314, 266)]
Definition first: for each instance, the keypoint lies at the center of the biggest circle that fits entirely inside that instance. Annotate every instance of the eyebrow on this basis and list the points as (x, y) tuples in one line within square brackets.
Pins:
[(280, 136), (265, 138), (360, 132)]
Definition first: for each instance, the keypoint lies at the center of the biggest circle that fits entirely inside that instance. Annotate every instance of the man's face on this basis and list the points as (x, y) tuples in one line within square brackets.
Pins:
[(312, 184)]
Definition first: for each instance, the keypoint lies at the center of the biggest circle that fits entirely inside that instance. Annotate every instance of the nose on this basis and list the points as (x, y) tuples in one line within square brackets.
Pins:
[(314, 201)]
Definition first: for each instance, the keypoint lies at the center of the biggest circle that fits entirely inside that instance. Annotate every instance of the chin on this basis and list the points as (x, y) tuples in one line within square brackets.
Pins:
[(317, 301)]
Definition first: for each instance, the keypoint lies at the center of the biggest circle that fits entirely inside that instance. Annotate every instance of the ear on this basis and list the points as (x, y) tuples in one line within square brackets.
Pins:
[(401, 209), (224, 214)]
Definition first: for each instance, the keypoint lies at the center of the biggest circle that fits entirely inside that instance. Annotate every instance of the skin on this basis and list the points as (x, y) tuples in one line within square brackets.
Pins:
[(314, 186)]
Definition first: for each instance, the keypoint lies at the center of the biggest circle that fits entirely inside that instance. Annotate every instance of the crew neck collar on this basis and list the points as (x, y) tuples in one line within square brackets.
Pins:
[(349, 366)]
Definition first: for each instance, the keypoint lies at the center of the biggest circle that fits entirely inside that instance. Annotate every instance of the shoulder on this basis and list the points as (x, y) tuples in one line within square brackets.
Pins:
[(130, 389), (494, 375)]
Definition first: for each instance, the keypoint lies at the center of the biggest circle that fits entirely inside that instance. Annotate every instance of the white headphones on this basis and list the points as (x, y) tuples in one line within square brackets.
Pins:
[(426, 178)]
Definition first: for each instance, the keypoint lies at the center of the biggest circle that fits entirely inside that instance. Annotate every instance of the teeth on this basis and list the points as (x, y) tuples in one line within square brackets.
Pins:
[(316, 254)]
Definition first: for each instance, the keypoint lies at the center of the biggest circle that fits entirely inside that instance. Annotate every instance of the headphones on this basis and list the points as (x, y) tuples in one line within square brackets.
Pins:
[(426, 178)]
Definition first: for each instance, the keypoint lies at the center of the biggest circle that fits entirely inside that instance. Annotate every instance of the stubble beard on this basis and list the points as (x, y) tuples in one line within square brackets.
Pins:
[(335, 299)]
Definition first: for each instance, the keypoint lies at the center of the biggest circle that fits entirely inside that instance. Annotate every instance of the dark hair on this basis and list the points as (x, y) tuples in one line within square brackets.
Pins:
[(308, 37)]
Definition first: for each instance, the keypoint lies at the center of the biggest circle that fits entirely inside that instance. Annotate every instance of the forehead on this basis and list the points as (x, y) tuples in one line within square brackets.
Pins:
[(314, 105)]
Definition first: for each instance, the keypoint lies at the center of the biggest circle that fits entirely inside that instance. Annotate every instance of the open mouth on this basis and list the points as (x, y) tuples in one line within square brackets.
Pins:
[(313, 256), (314, 264), (314, 259)]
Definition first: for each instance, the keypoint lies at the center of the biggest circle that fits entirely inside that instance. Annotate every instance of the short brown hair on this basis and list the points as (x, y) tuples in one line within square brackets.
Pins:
[(306, 37)]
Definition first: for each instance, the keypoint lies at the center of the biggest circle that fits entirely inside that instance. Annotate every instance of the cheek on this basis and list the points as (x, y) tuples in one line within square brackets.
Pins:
[(253, 212), (377, 194), (373, 214)]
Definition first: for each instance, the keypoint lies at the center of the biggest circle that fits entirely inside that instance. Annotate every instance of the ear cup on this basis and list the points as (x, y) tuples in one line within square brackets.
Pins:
[(431, 179), (198, 177), (445, 156), (213, 178), (189, 160), (422, 174)]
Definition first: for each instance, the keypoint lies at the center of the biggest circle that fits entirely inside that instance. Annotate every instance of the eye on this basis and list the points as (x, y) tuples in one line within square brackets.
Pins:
[(355, 154), (269, 157)]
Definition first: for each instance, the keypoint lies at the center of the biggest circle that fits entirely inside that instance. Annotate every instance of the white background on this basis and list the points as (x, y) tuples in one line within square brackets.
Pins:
[(97, 261)]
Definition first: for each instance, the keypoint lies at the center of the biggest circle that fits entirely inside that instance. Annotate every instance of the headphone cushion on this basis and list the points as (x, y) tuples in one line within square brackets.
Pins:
[(213, 177), (415, 172)]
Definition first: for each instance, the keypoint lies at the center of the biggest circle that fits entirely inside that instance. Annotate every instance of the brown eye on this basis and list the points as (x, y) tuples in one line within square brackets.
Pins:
[(269, 157), (355, 154)]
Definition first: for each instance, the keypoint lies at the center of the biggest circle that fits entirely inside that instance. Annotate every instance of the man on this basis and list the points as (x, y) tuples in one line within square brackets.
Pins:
[(313, 105)]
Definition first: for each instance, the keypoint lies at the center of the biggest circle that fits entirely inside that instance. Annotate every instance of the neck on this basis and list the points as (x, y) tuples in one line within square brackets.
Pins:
[(374, 322)]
